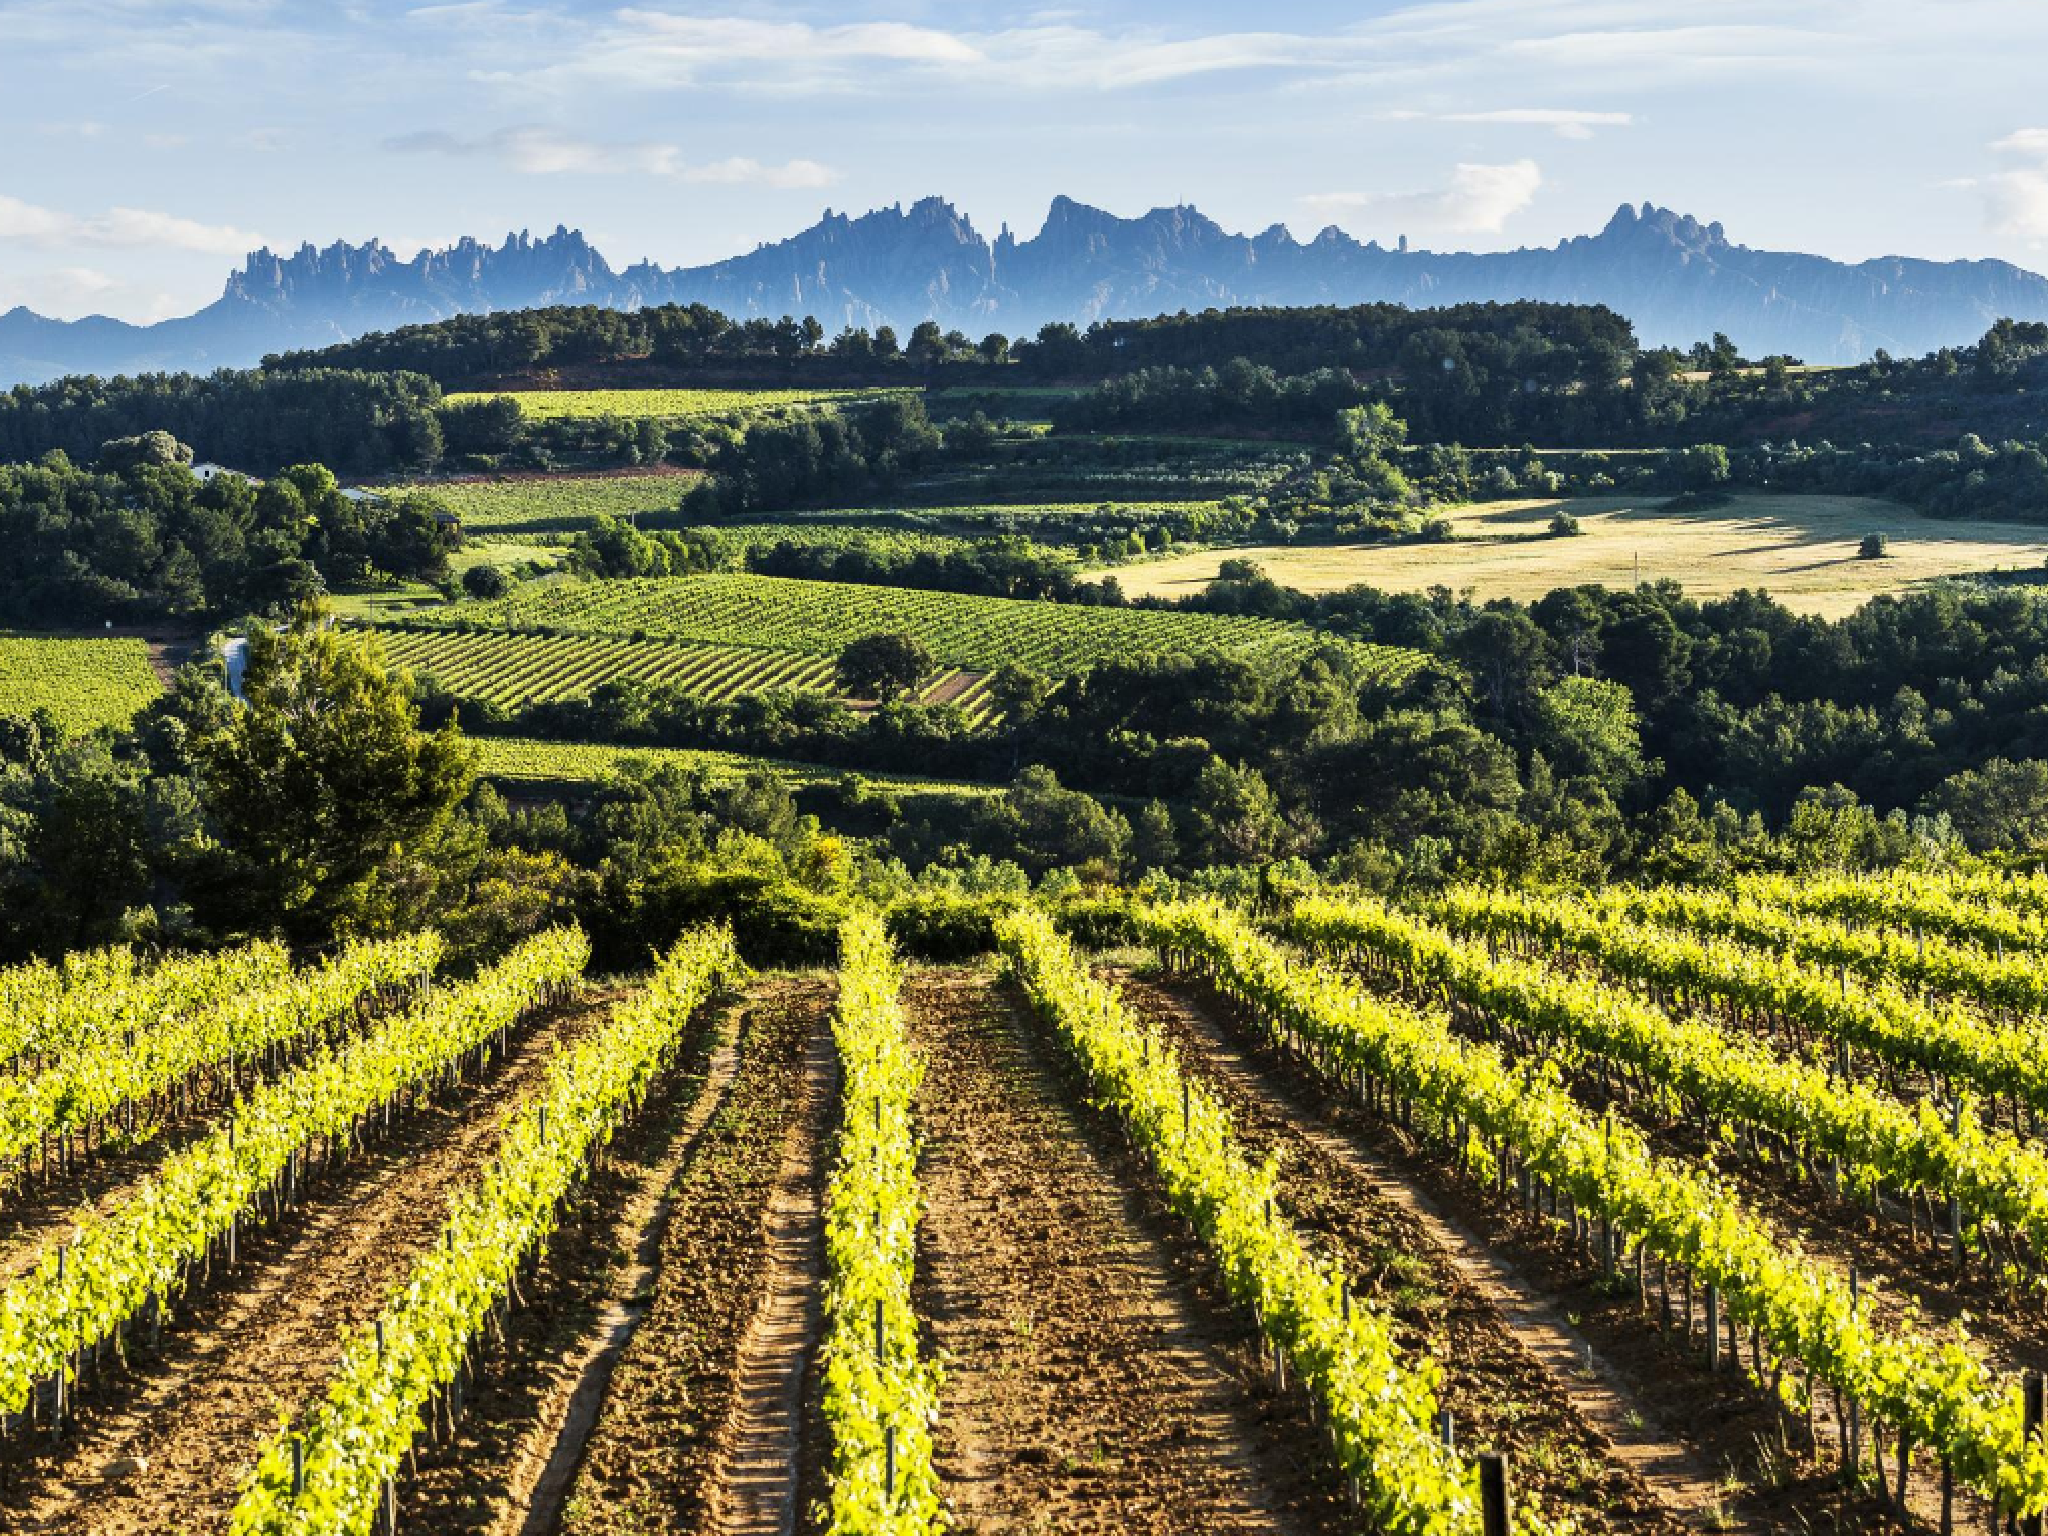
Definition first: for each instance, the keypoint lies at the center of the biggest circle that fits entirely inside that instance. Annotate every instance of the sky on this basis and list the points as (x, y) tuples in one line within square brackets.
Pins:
[(146, 147)]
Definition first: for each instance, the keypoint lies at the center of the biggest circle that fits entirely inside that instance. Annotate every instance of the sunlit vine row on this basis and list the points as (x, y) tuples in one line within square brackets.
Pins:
[(351, 1447)]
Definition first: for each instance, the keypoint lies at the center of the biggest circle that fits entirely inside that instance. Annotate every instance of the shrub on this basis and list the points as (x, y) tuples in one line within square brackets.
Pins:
[(1563, 525), (1875, 546), (485, 582)]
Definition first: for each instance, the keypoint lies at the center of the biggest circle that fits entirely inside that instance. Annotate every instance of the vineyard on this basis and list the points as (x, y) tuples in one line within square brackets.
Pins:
[(1306, 1221), (671, 404), (819, 618), (553, 504), (511, 668), (518, 760), (84, 683)]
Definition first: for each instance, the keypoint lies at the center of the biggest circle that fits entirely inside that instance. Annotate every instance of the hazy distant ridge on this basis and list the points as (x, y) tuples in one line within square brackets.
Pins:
[(1679, 280)]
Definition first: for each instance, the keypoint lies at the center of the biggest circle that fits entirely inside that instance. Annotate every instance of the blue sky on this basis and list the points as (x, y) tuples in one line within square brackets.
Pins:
[(145, 146)]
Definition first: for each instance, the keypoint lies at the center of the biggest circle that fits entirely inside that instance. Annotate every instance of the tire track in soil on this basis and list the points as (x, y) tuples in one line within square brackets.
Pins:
[(1725, 1420), (651, 1455), (169, 1455), (760, 1475), (1083, 1392), (1515, 1371)]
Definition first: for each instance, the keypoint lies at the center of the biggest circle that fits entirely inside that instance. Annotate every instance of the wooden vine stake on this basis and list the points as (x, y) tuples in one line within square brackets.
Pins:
[(1493, 1494), (2034, 1394)]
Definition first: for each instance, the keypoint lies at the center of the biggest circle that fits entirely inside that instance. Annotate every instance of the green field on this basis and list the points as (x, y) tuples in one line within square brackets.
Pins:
[(1801, 549), (667, 404), (521, 760), (817, 617), (553, 503), (84, 683), (510, 669)]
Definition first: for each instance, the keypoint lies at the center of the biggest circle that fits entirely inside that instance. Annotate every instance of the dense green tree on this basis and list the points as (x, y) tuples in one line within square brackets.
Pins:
[(319, 780), (884, 666)]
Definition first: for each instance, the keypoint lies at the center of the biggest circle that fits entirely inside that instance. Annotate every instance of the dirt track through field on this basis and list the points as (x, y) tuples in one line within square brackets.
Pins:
[(1085, 1391), (177, 1444), (1518, 1375), (651, 1459), (760, 1473)]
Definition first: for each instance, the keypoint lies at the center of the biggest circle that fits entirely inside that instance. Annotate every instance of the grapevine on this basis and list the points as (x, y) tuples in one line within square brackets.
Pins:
[(141, 1252), (880, 1399), (1381, 1408), (355, 1441), (1935, 1393), (1708, 1071)]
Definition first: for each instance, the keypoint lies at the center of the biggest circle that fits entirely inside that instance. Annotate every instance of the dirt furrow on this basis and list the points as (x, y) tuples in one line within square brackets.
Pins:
[(760, 1475), (1092, 1385), (169, 1454), (650, 1458), (1518, 1377)]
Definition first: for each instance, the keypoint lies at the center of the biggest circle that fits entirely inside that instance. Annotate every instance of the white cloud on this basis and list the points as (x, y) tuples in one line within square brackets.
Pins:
[(2016, 201), (2025, 141), (656, 50), (70, 292), (537, 151), (119, 227), (1478, 199), (1565, 123)]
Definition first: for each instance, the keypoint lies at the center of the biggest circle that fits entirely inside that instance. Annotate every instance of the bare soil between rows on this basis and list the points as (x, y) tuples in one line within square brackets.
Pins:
[(1449, 1301), (1095, 1381), (1725, 1420), (652, 1458)]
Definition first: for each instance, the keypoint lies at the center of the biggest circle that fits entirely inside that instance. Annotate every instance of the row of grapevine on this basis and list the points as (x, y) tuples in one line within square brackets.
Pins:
[(1709, 1073), (1518, 1119), (333, 1477), (141, 1252), (1902, 900), (32, 995), (93, 1080), (1381, 1408), (105, 997), (1956, 968), (880, 1400), (820, 617), (1892, 1025)]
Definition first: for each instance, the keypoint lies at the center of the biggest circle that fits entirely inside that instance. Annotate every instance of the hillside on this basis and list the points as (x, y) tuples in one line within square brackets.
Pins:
[(1679, 280)]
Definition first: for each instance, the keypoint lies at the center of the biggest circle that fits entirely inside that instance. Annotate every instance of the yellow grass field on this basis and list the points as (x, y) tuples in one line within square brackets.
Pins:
[(1802, 549)]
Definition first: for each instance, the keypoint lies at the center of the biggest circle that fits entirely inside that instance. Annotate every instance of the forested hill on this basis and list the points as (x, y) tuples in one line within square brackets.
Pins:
[(1677, 279)]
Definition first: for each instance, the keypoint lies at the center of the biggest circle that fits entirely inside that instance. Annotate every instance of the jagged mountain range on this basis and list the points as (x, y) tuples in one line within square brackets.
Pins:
[(1677, 279)]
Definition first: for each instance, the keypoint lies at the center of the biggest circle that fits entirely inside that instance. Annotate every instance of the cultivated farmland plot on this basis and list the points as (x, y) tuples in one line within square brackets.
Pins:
[(555, 503), (819, 618), (1310, 1224), (84, 683), (511, 668), (671, 404)]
